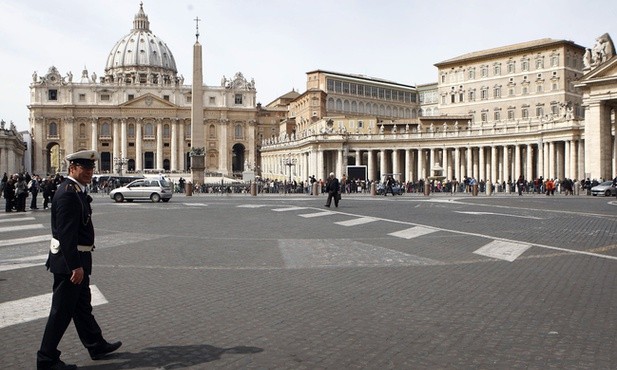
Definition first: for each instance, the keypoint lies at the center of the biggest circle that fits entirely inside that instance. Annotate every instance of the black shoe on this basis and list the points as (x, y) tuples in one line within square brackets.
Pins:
[(327, 205), (99, 351), (58, 365)]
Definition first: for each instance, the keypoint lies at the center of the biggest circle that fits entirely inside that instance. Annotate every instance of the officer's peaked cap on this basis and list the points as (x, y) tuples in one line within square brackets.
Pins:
[(84, 158)]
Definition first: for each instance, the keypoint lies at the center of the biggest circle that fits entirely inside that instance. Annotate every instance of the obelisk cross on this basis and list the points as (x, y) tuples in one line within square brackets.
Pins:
[(197, 27)]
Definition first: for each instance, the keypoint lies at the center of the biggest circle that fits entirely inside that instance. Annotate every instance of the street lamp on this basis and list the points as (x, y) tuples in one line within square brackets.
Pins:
[(119, 163), (290, 162)]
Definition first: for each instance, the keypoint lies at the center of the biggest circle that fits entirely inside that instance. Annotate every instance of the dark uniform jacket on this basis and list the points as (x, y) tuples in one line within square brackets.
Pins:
[(71, 224), (332, 186)]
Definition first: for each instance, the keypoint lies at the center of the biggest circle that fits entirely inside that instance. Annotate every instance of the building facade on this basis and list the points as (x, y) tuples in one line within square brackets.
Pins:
[(493, 115), (138, 114), (12, 149)]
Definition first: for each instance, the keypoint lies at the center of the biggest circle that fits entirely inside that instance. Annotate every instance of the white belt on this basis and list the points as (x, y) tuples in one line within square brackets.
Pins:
[(54, 247)]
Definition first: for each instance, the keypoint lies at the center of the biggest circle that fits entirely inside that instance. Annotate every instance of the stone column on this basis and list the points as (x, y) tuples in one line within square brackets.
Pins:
[(566, 159), (94, 140), (469, 169), (123, 139), (573, 160), (395, 164), (457, 164), (421, 172), (159, 144), (139, 155), (321, 173), (339, 164), (407, 173), (371, 164), (382, 164), (540, 159), (173, 166), (116, 142), (598, 146), (482, 174), (529, 167), (581, 159), (223, 149), (358, 157), (182, 147), (494, 164), (551, 160), (517, 162)]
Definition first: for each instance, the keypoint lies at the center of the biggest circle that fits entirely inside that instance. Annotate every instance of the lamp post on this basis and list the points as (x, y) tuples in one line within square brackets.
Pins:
[(289, 162), (119, 163)]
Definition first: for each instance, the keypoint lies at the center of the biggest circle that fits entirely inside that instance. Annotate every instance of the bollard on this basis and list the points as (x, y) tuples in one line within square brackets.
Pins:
[(427, 188), (373, 188), (188, 189), (475, 190), (316, 188), (253, 188), (489, 188)]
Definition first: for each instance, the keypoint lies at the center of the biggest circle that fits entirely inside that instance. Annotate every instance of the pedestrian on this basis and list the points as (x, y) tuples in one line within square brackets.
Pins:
[(520, 184), (389, 186), (8, 192), (34, 187), (70, 260), (332, 187), (21, 193)]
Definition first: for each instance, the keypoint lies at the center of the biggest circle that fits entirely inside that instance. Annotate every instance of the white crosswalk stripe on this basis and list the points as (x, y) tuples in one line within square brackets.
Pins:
[(17, 219), (413, 232), (20, 228), (317, 214), (356, 221)]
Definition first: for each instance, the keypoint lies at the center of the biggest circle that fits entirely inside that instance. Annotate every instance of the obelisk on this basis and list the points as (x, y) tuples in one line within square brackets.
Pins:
[(198, 144)]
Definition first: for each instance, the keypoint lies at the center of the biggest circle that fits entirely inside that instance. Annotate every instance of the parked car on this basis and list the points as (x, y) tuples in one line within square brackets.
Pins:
[(154, 189), (606, 188), (397, 189)]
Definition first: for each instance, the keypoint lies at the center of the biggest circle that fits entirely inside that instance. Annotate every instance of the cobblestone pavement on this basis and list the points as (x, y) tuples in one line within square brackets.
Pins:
[(281, 282)]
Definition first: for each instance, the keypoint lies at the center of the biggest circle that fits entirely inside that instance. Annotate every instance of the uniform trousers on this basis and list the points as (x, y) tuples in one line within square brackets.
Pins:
[(69, 301)]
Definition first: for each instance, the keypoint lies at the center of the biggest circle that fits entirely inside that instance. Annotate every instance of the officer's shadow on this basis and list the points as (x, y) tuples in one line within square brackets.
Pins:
[(169, 357)]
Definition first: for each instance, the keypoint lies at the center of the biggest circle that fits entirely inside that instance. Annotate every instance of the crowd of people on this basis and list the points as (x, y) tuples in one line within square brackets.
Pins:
[(17, 188)]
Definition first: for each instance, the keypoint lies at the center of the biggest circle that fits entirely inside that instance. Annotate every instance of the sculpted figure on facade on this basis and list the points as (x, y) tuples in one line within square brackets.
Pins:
[(35, 76), (603, 50)]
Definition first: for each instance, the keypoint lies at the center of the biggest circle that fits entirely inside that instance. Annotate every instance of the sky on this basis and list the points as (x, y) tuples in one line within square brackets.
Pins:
[(275, 42)]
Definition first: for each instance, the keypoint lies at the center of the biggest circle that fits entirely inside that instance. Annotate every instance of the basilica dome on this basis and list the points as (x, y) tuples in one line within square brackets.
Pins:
[(141, 57)]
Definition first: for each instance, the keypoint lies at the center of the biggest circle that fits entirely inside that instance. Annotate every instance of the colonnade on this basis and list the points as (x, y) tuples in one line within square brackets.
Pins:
[(495, 162)]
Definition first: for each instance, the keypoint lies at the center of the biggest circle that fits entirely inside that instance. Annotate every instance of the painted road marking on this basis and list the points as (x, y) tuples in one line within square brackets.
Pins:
[(413, 232), (251, 205), (18, 219), (288, 209), (24, 262), (28, 240), (20, 228), (503, 250), (318, 214), (34, 308), (356, 221), (498, 214), (196, 204)]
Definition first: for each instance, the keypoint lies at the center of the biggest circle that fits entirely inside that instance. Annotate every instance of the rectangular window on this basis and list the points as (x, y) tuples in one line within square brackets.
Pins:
[(555, 109), (189, 99), (484, 94), (539, 88), (484, 117), (525, 90), (330, 85), (166, 97), (82, 97), (238, 99), (131, 96), (511, 67), (539, 111), (212, 100), (472, 74), (511, 91), (511, 115), (338, 86), (472, 96), (525, 113), (104, 97), (452, 98), (353, 88), (497, 93), (52, 94), (497, 116), (460, 97), (525, 65), (345, 87), (361, 90), (497, 69)]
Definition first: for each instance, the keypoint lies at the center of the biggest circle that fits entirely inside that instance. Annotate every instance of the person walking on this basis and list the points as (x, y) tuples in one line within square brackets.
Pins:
[(34, 187), (333, 188), (70, 261)]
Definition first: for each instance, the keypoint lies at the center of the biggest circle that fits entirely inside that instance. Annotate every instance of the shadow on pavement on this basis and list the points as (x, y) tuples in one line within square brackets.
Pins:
[(169, 357)]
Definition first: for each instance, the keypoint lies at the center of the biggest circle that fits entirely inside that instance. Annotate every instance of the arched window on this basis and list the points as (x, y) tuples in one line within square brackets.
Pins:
[(166, 132), (131, 130), (361, 107), (239, 132), (346, 106), (354, 106), (212, 131), (339, 104), (331, 104), (82, 130)]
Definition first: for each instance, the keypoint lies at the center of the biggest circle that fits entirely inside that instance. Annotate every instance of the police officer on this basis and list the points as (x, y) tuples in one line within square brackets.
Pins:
[(70, 260)]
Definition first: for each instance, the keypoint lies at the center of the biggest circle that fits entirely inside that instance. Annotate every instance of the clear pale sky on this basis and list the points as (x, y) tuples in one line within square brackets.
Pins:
[(277, 41)]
